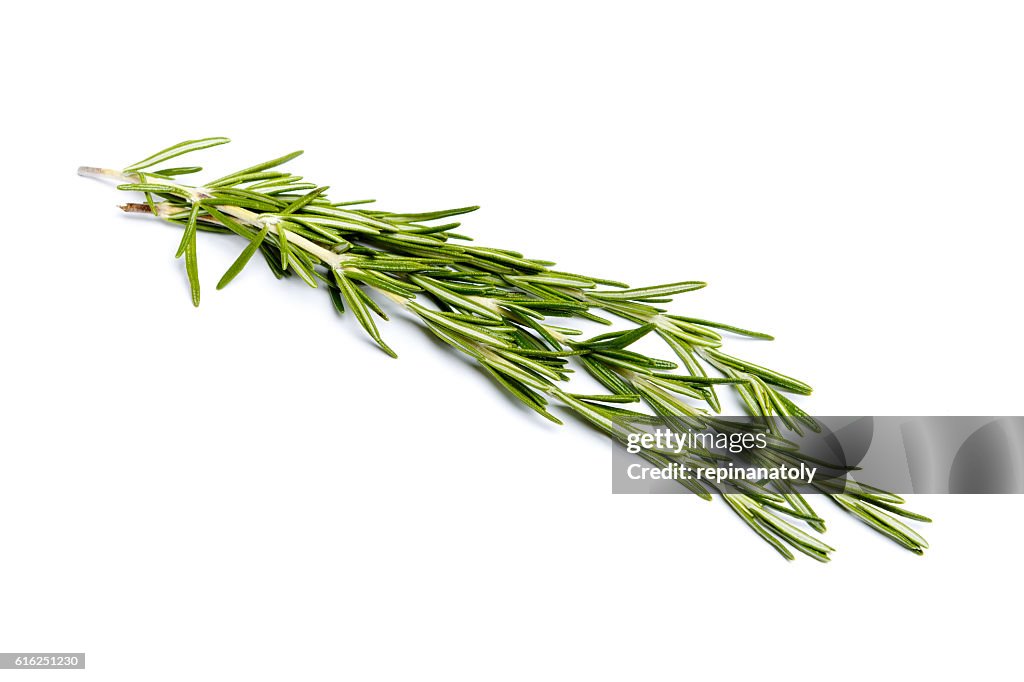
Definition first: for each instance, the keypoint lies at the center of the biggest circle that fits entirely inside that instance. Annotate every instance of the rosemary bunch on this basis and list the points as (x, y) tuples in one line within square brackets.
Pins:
[(511, 314)]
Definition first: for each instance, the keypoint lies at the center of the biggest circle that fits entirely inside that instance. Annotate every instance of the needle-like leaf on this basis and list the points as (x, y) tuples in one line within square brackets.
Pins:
[(243, 258)]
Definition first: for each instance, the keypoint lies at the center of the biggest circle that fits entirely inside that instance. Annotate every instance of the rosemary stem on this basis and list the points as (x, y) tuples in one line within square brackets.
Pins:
[(330, 259), (103, 174)]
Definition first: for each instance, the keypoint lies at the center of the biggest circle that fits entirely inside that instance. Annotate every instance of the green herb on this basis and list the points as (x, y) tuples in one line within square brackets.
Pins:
[(497, 306)]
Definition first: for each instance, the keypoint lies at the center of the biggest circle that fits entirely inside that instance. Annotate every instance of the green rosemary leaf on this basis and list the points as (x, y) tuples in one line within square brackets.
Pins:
[(273, 163), (644, 293), (524, 393), (529, 352), (151, 204), (545, 332), (408, 239), (799, 503), (762, 372), (620, 398), (676, 387), (287, 189), (334, 223), (286, 180), (897, 509), (614, 340), (176, 150), (662, 402), (473, 319), (749, 519), (779, 407), (609, 283), (552, 307), (239, 202), (701, 380), (585, 278), (587, 315), (155, 188), (229, 222), (382, 281), (243, 258), (712, 399), (355, 303), (726, 327), (606, 377), (795, 410), (477, 333), (527, 363), (499, 256), (349, 217), (525, 313), (629, 359), (254, 178), (683, 352), (620, 363), (451, 298), (423, 217), (559, 280), (339, 304), (252, 200), (431, 229), (192, 269), (793, 535), (784, 508), (190, 230), (686, 329), (638, 313), (758, 493), (867, 492), (302, 267), (456, 342), (893, 523), (764, 405), (592, 413), (626, 416), (370, 303), (700, 339), (511, 369), (172, 172), (883, 523), (390, 264), (303, 201), (273, 261), (323, 233), (282, 245)]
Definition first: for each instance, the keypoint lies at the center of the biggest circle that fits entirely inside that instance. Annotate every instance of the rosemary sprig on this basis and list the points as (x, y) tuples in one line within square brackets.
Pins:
[(497, 306)]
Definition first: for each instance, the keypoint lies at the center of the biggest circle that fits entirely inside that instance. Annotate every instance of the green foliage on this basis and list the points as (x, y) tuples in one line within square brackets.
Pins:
[(497, 307)]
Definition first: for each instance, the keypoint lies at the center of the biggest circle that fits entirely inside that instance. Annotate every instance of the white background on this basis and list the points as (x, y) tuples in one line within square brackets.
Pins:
[(200, 493)]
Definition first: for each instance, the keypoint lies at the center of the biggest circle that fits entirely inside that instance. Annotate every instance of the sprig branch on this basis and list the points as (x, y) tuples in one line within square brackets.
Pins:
[(497, 307)]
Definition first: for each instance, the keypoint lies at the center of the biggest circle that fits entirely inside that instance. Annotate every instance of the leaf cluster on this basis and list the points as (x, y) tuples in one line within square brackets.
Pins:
[(520, 319)]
